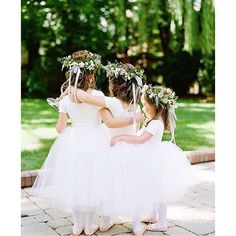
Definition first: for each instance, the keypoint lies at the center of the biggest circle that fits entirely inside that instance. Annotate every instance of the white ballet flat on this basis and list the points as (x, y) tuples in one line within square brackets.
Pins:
[(156, 229), (140, 231), (77, 231), (88, 232)]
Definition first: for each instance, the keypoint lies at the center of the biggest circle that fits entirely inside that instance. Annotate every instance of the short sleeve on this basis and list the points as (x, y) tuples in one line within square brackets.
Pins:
[(98, 93), (62, 106), (154, 127), (110, 102)]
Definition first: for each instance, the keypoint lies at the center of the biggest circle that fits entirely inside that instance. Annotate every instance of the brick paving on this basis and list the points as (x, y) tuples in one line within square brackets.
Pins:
[(193, 215)]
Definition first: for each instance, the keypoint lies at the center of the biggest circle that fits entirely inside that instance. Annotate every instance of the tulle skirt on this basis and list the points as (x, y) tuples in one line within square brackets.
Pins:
[(72, 176), (144, 176)]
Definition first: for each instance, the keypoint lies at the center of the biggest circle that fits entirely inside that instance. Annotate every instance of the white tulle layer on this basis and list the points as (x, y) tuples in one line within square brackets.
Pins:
[(73, 173), (143, 176)]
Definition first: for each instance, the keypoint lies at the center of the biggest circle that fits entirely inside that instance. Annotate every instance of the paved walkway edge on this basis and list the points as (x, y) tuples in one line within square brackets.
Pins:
[(195, 157)]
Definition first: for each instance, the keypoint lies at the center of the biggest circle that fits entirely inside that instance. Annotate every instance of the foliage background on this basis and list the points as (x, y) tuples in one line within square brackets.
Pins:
[(168, 38)]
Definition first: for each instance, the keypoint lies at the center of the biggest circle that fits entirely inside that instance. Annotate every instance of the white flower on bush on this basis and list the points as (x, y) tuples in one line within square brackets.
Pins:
[(81, 64)]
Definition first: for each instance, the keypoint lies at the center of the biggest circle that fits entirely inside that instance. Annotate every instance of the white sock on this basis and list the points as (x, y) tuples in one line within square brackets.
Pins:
[(78, 219), (162, 213), (105, 221), (154, 215), (89, 220), (137, 224)]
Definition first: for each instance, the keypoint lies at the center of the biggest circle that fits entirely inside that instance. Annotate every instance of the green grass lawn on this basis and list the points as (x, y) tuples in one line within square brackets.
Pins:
[(195, 128)]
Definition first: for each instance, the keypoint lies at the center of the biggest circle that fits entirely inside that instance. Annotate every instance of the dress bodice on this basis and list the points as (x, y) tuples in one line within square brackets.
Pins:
[(155, 128), (118, 111), (81, 113)]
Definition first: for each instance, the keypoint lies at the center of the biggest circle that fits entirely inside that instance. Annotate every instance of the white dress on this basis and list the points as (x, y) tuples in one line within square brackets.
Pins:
[(144, 175), (72, 175)]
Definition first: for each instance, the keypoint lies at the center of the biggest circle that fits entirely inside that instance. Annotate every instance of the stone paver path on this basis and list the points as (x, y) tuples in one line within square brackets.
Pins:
[(193, 215)]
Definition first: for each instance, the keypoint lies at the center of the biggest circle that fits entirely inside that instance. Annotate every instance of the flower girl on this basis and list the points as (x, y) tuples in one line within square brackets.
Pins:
[(72, 177), (170, 172), (144, 177)]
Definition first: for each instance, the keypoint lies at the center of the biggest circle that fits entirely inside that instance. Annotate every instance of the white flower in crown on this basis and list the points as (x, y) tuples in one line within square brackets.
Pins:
[(81, 64), (165, 100), (97, 61), (172, 95), (91, 63), (168, 91), (145, 87), (117, 70), (127, 77), (122, 72), (152, 95), (160, 95)]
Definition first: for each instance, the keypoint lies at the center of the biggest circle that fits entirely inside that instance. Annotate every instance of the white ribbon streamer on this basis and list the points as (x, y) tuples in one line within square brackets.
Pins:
[(76, 82), (135, 106), (172, 121), (135, 91)]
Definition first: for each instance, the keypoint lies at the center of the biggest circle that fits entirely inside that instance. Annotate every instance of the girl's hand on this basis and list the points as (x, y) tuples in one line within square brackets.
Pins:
[(139, 118), (114, 140)]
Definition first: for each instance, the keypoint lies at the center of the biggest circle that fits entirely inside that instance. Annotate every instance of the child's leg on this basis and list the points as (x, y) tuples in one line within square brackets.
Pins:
[(138, 227), (162, 213), (162, 222), (153, 218), (78, 221), (90, 228)]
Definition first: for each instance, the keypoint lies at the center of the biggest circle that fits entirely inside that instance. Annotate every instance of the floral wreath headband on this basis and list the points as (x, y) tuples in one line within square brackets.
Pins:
[(134, 75), (159, 95), (79, 67), (93, 64), (166, 98)]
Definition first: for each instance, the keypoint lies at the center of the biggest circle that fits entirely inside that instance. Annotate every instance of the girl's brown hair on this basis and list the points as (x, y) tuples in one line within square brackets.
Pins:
[(160, 112), (120, 88), (86, 78)]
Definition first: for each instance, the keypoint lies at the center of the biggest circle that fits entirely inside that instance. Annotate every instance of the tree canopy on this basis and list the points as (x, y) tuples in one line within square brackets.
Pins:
[(171, 40)]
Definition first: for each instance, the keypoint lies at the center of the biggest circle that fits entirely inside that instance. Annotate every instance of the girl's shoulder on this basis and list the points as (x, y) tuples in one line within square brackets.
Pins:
[(156, 122), (111, 101), (96, 92), (155, 126), (63, 104)]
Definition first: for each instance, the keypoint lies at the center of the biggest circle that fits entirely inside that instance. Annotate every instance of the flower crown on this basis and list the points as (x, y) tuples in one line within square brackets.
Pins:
[(165, 97), (116, 70), (92, 64)]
